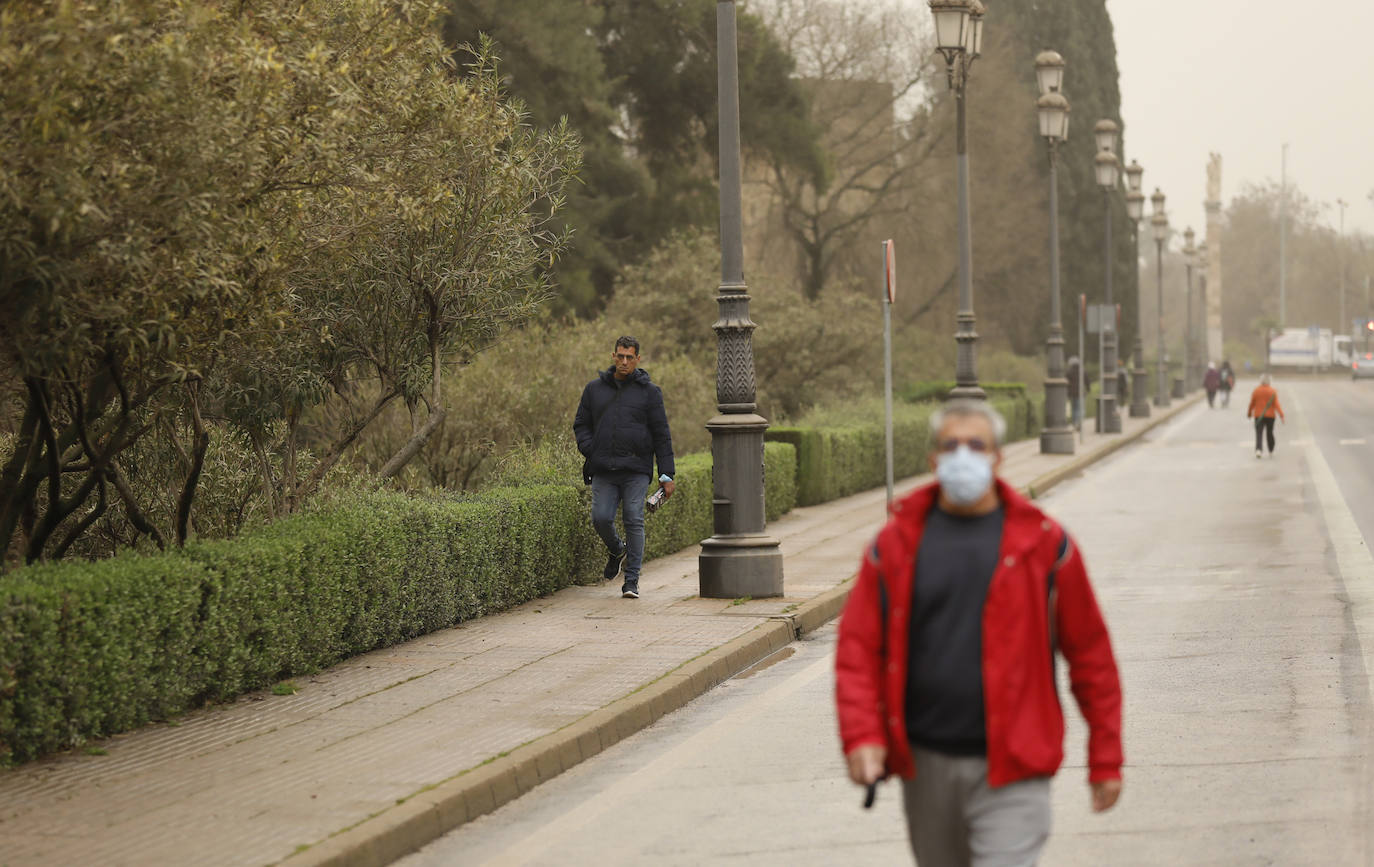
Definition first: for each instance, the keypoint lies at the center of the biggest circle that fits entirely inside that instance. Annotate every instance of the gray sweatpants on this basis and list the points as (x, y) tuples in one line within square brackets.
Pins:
[(956, 820)]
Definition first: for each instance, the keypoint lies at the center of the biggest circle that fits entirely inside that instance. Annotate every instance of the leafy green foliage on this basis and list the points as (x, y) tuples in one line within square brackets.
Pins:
[(244, 215), (637, 82), (847, 453)]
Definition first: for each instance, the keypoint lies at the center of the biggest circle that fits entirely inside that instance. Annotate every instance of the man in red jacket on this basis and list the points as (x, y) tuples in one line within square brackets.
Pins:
[(944, 671)]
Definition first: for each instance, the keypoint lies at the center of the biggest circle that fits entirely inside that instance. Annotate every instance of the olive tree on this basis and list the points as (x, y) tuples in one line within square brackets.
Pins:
[(250, 205)]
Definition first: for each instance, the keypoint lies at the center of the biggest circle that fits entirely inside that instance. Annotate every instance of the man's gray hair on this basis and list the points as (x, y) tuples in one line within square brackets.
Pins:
[(1264, 379), (965, 407)]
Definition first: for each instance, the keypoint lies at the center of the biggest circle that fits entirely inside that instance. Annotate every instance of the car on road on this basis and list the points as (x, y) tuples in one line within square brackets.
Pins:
[(1362, 367)]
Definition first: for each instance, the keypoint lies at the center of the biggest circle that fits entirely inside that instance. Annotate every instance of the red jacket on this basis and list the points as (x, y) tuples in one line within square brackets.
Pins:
[(1025, 725)]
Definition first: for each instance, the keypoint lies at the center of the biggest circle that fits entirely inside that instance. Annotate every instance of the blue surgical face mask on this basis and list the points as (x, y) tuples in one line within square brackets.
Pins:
[(964, 475)]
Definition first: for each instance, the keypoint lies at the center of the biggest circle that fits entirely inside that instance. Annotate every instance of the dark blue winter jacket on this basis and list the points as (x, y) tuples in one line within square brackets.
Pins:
[(623, 426)]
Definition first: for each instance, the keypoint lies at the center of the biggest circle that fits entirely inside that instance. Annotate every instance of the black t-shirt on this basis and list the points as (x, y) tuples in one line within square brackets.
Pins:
[(944, 693)]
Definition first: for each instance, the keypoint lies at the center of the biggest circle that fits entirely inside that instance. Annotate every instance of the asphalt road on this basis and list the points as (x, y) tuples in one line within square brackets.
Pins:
[(1240, 594)]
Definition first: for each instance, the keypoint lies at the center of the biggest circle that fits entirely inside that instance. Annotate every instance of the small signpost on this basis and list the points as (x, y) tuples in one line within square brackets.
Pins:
[(890, 279)]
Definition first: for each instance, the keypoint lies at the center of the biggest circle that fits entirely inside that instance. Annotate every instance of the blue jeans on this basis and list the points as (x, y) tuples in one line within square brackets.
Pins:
[(1077, 411), (609, 492)]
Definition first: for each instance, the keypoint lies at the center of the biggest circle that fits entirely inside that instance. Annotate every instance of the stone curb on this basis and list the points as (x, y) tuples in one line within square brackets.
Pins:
[(433, 812)]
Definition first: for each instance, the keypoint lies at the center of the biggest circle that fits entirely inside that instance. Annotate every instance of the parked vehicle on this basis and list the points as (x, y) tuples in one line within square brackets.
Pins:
[(1310, 349), (1362, 366)]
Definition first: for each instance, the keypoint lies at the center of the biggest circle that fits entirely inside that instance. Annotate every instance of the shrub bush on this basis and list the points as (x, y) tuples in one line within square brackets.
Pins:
[(846, 454), (90, 649)]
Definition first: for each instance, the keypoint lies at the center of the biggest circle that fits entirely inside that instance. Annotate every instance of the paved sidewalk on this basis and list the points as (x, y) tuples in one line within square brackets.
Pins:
[(382, 753)]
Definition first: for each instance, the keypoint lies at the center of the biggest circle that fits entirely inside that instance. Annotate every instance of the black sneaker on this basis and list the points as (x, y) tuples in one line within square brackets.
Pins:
[(613, 564), (630, 589)]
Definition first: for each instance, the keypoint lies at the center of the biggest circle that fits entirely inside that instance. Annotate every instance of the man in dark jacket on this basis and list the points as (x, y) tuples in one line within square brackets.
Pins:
[(621, 428), (945, 659)]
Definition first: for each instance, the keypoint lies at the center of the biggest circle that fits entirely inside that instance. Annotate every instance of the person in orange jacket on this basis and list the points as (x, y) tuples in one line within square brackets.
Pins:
[(1264, 406), (944, 667)]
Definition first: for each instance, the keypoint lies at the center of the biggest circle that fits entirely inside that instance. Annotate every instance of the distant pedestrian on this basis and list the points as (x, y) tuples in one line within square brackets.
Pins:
[(621, 427), (1264, 405), (1228, 382), (1211, 381), (1074, 373), (942, 675), (1123, 384)]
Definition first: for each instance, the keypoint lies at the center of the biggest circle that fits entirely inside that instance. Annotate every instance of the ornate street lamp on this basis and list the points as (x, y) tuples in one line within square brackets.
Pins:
[(1135, 209), (1108, 171), (1053, 111), (1201, 352), (740, 558), (959, 37), (1159, 223), (1189, 261)]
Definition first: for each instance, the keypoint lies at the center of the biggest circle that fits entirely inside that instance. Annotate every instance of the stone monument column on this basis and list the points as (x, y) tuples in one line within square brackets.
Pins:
[(1213, 297)]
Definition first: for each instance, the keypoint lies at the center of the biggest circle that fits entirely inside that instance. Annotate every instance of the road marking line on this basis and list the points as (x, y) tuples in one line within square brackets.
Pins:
[(625, 790), (1353, 558), (1354, 442)]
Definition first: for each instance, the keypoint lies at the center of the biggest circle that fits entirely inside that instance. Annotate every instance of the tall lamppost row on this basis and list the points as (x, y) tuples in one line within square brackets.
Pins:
[(959, 37), (1189, 260), (1201, 352), (1053, 110), (1135, 209), (1159, 223), (1108, 169), (740, 558)]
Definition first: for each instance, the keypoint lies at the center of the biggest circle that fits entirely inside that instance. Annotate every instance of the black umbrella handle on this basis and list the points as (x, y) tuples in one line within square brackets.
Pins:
[(870, 795)]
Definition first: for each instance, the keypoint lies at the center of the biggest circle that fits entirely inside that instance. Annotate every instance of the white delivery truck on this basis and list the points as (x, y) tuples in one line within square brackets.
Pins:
[(1309, 348)]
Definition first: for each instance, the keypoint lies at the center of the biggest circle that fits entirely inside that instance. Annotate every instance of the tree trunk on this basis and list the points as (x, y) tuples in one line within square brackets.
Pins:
[(432, 424), (331, 457), (202, 442)]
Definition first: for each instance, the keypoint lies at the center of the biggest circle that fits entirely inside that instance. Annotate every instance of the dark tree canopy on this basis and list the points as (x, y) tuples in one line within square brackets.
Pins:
[(1081, 31), (637, 82)]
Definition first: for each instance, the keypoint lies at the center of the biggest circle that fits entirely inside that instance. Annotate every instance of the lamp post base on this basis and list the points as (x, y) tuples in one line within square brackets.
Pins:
[(734, 566), (1140, 405), (1178, 387), (1056, 437), (740, 558), (1108, 419), (1058, 441)]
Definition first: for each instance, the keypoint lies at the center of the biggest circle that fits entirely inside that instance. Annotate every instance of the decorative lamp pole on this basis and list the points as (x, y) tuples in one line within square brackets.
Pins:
[(1108, 170), (740, 558), (1135, 209), (1159, 223), (1189, 261), (1201, 353), (959, 37), (1053, 110)]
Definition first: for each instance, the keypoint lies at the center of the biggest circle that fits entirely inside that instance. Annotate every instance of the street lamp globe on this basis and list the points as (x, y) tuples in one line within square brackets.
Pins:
[(1053, 109), (1049, 72), (973, 38), (951, 25), (1160, 224), (1189, 251), (1108, 169), (1134, 173), (1135, 204), (1158, 201), (1105, 132)]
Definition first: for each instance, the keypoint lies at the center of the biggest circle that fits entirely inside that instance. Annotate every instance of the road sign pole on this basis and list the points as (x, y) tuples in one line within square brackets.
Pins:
[(890, 279)]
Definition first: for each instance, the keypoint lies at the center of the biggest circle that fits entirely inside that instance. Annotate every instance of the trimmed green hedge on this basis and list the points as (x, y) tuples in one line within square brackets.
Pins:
[(836, 461), (90, 649), (926, 392)]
